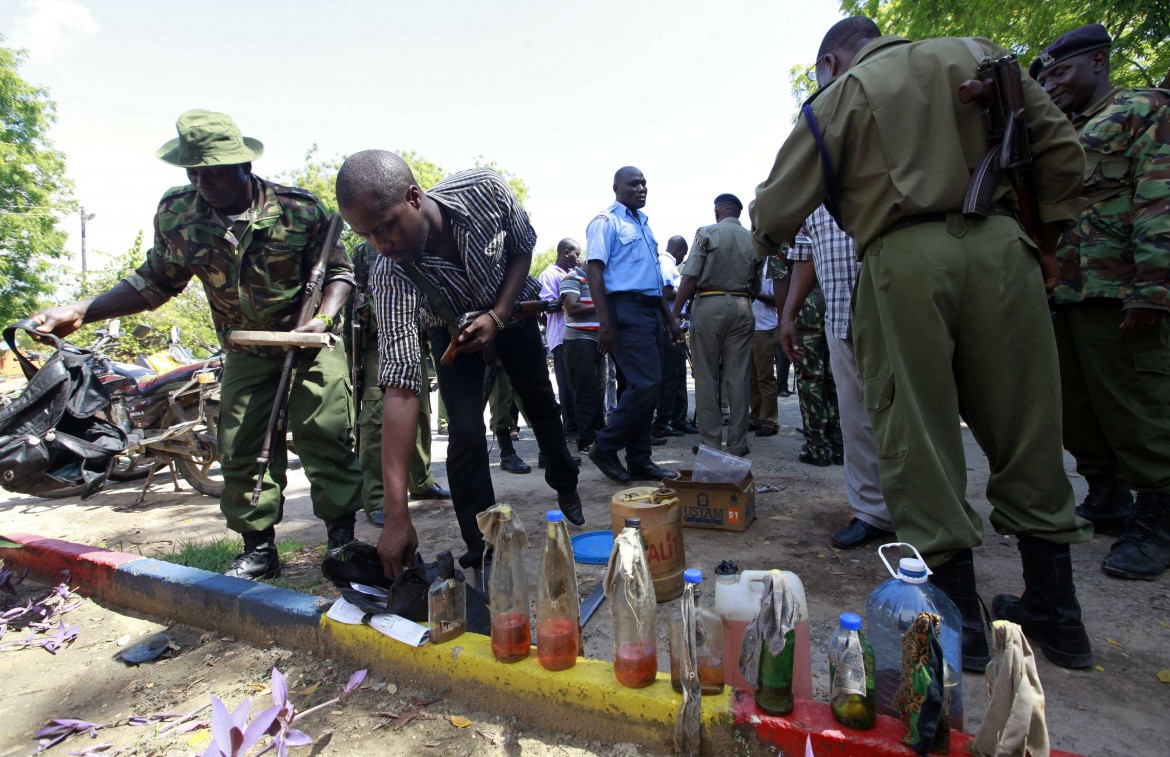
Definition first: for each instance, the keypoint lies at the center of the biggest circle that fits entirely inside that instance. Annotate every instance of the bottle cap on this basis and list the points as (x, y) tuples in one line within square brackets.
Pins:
[(912, 570), (446, 565), (506, 512), (693, 576), (554, 516), (851, 621), (633, 522)]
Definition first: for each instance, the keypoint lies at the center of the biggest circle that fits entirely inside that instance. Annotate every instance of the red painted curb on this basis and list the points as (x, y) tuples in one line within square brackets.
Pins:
[(815, 720), (48, 558)]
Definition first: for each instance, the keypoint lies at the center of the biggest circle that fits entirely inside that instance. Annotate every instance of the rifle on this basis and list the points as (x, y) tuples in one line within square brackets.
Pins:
[(521, 310), (310, 301), (998, 88)]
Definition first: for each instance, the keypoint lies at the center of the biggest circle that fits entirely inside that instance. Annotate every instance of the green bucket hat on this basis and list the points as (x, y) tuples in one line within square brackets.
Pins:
[(208, 139)]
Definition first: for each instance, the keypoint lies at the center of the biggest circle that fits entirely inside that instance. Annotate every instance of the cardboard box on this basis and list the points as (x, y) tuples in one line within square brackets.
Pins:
[(727, 507)]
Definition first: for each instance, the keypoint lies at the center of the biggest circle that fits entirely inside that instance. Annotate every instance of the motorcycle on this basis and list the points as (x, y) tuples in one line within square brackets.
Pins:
[(170, 419)]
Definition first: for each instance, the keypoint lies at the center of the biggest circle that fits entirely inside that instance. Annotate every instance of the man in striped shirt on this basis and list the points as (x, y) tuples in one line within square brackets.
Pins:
[(464, 245), (583, 361)]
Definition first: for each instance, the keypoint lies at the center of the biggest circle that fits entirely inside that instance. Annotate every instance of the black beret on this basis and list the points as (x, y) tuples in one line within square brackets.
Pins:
[(728, 199), (1091, 37)]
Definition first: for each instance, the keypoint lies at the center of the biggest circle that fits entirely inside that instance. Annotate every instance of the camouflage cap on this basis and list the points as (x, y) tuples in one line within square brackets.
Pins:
[(1082, 40), (208, 139)]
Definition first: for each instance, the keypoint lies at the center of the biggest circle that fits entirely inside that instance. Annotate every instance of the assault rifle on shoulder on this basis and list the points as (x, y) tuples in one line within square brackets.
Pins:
[(310, 301), (521, 310), (998, 89)]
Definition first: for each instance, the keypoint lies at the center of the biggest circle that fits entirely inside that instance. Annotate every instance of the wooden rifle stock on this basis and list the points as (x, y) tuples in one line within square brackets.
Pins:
[(311, 300)]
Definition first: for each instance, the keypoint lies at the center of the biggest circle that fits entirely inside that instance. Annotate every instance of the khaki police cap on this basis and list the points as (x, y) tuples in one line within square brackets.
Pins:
[(208, 139)]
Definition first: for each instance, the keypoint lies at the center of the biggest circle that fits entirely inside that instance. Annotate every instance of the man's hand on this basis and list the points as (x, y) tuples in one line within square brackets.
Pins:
[(674, 328), (1050, 270), (478, 334), (604, 338), (1141, 318), (314, 326), (788, 341), (62, 320), (397, 544)]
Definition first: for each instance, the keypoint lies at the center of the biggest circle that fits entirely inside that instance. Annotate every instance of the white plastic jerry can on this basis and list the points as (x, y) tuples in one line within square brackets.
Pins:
[(737, 600)]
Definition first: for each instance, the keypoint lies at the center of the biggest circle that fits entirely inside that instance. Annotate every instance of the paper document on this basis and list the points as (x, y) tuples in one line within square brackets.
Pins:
[(346, 612), (394, 626)]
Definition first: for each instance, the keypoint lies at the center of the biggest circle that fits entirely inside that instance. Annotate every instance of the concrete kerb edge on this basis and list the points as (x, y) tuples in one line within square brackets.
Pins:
[(585, 701)]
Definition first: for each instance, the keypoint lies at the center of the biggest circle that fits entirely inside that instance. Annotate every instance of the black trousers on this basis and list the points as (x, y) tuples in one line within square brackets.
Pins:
[(521, 353), (639, 340), (672, 403), (565, 388), (587, 375)]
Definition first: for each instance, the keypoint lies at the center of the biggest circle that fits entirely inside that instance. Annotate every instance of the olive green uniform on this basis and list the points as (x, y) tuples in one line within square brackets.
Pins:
[(951, 320), (725, 265), (254, 271)]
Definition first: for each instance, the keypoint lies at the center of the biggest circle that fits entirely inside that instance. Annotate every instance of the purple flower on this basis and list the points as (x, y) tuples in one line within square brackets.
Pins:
[(355, 680)]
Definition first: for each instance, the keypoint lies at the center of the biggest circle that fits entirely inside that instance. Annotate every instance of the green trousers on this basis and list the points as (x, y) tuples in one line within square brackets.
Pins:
[(951, 323), (1116, 391), (320, 416), (370, 452), (721, 332)]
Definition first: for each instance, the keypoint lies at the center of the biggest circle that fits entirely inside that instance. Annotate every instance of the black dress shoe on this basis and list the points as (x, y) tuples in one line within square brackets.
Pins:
[(260, 558), (686, 428), (570, 505), (435, 492), (808, 459), (859, 533), (767, 431), (608, 464), (652, 472), (672, 431), (376, 517), (512, 463)]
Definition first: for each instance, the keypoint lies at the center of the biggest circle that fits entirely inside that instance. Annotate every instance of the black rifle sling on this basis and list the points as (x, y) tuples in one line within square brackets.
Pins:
[(831, 188), (434, 296)]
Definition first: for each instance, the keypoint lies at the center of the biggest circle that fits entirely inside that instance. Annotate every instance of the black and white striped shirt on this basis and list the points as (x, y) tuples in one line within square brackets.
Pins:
[(490, 228)]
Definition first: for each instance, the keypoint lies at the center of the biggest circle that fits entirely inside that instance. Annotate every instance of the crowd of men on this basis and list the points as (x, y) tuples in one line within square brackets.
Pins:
[(906, 310)]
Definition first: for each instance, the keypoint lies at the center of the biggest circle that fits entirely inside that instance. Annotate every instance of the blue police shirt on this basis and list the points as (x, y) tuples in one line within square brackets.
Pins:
[(622, 240)]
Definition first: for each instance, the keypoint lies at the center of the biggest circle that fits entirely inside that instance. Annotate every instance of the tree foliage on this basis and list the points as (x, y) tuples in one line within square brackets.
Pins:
[(189, 311), (33, 192), (1140, 28)]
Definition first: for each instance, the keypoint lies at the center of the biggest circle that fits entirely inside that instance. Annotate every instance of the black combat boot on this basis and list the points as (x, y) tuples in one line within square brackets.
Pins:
[(1108, 505), (509, 460), (1048, 612), (340, 531), (956, 578), (260, 559), (1143, 551)]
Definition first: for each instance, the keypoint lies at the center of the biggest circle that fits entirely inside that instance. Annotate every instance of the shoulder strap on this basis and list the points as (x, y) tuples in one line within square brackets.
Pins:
[(831, 189), (979, 53), (434, 296)]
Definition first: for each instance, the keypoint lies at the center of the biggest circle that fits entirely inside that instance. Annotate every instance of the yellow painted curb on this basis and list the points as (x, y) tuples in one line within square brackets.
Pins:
[(584, 700)]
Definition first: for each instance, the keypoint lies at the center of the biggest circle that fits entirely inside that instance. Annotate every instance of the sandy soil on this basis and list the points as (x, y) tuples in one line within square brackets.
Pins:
[(1116, 709)]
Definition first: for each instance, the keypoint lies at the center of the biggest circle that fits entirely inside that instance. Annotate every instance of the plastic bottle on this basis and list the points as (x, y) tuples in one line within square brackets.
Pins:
[(635, 641), (708, 643), (508, 588), (558, 609), (851, 709), (891, 610), (446, 602), (737, 600)]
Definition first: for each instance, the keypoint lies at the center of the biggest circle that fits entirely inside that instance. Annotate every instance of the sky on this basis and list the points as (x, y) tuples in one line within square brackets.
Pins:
[(695, 93)]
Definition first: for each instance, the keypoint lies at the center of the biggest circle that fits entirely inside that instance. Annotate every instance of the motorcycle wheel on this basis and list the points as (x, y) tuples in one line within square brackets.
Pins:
[(203, 473), (129, 469)]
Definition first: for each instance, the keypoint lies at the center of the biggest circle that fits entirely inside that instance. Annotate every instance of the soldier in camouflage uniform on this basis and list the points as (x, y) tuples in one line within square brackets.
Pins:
[(815, 388), (421, 483), (251, 243), (1112, 331)]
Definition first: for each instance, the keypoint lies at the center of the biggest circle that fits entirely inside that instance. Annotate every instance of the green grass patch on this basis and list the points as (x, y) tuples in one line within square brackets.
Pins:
[(216, 556)]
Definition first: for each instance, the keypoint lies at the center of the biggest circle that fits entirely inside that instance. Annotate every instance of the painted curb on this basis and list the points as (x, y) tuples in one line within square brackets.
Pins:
[(585, 700)]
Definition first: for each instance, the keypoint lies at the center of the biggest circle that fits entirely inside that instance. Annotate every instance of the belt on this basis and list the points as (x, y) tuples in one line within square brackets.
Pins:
[(637, 297), (720, 292), (914, 220)]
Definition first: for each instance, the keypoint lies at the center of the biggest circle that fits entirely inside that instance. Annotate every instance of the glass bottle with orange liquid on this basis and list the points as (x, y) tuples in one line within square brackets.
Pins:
[(708, 643), (508, 589), (629, 586), (558, 608)]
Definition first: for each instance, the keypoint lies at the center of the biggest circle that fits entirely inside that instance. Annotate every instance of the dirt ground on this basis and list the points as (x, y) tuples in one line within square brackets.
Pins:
[(1115, 709)]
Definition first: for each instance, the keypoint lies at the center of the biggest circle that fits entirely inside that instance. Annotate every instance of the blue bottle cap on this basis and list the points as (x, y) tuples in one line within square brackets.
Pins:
[(851, 621), (693, 576), (554, 516)]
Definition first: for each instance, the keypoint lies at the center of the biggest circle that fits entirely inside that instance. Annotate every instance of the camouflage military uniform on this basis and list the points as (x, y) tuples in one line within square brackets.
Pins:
[(253, 271), (369, 412), (1116, 388), (814, 382)]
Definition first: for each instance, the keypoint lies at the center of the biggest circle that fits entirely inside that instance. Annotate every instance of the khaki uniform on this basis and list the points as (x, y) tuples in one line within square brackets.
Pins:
[(951, 320), (724, 262)]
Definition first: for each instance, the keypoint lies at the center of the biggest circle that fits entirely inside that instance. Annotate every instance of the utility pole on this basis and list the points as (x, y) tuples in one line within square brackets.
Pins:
[(84, 217)]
